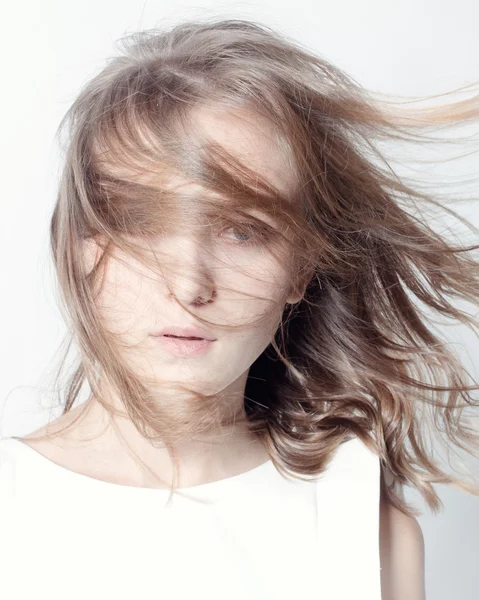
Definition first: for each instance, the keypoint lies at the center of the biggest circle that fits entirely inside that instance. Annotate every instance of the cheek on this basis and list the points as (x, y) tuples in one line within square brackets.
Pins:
[(272, 282), (264, 273), (130, 294), (262, 293), (123, 300)]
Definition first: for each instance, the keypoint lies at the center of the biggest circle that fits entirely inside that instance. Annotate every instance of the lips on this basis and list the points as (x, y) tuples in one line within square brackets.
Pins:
[(182, 337), (191, 333), (184, 347)]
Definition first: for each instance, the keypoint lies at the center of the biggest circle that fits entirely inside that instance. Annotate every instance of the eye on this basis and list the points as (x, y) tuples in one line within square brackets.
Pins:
[(248, 234)]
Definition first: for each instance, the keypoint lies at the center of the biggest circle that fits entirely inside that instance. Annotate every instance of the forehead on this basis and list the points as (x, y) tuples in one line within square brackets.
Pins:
[(251, 139), (241, 132)]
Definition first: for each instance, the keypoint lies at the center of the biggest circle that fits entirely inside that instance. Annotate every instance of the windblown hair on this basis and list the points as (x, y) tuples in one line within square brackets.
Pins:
[(357, 354)]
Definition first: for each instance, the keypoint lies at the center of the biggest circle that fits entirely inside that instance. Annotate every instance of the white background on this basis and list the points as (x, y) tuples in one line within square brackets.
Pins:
[(414, 47)]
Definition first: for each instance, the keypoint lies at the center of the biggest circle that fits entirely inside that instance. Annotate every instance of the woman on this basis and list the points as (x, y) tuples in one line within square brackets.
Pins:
[(235, 256)]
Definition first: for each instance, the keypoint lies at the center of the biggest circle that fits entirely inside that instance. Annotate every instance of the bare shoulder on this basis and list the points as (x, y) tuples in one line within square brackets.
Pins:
[(402, 553)]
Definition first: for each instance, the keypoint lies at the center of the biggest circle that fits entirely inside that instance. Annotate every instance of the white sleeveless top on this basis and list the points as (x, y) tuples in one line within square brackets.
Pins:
[(253, 536)]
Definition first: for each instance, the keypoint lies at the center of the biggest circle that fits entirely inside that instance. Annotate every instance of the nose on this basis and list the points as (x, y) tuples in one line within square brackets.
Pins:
[(190, 278)]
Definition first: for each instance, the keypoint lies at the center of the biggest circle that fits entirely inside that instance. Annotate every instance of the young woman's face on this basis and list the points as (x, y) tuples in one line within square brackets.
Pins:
[(221, 271)]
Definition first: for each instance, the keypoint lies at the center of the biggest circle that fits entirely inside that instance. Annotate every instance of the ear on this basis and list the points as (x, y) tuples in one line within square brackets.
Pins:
[(294, 299), (91, 253)]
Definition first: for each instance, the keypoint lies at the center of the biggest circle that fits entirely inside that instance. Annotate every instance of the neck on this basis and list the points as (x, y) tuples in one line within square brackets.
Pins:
[(209, 457)]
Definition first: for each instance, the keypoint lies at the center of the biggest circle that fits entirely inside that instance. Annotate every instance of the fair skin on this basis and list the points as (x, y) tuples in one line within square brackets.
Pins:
[(401, 550), (402, 555), (135, 304)]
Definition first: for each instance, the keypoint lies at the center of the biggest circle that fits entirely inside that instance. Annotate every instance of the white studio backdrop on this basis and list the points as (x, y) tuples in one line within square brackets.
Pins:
[(50, 49)]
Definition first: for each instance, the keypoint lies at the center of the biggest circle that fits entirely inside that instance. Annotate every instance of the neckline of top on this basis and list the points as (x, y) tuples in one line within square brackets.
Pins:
[(30, 451)]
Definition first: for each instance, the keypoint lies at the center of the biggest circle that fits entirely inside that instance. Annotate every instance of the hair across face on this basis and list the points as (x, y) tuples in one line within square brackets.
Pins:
[(217, 171), (238, 280), (200, 256)]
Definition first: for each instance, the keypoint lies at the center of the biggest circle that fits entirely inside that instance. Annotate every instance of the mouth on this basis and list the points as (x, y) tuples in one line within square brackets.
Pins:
[(181, 337), (186, 346), (191, 332)]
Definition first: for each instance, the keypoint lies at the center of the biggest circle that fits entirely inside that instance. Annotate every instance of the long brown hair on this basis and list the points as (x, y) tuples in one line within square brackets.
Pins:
[(356, 355)]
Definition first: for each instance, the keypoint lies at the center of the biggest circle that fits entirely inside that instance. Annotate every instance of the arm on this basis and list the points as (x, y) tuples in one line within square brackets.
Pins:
[(401, 545)]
